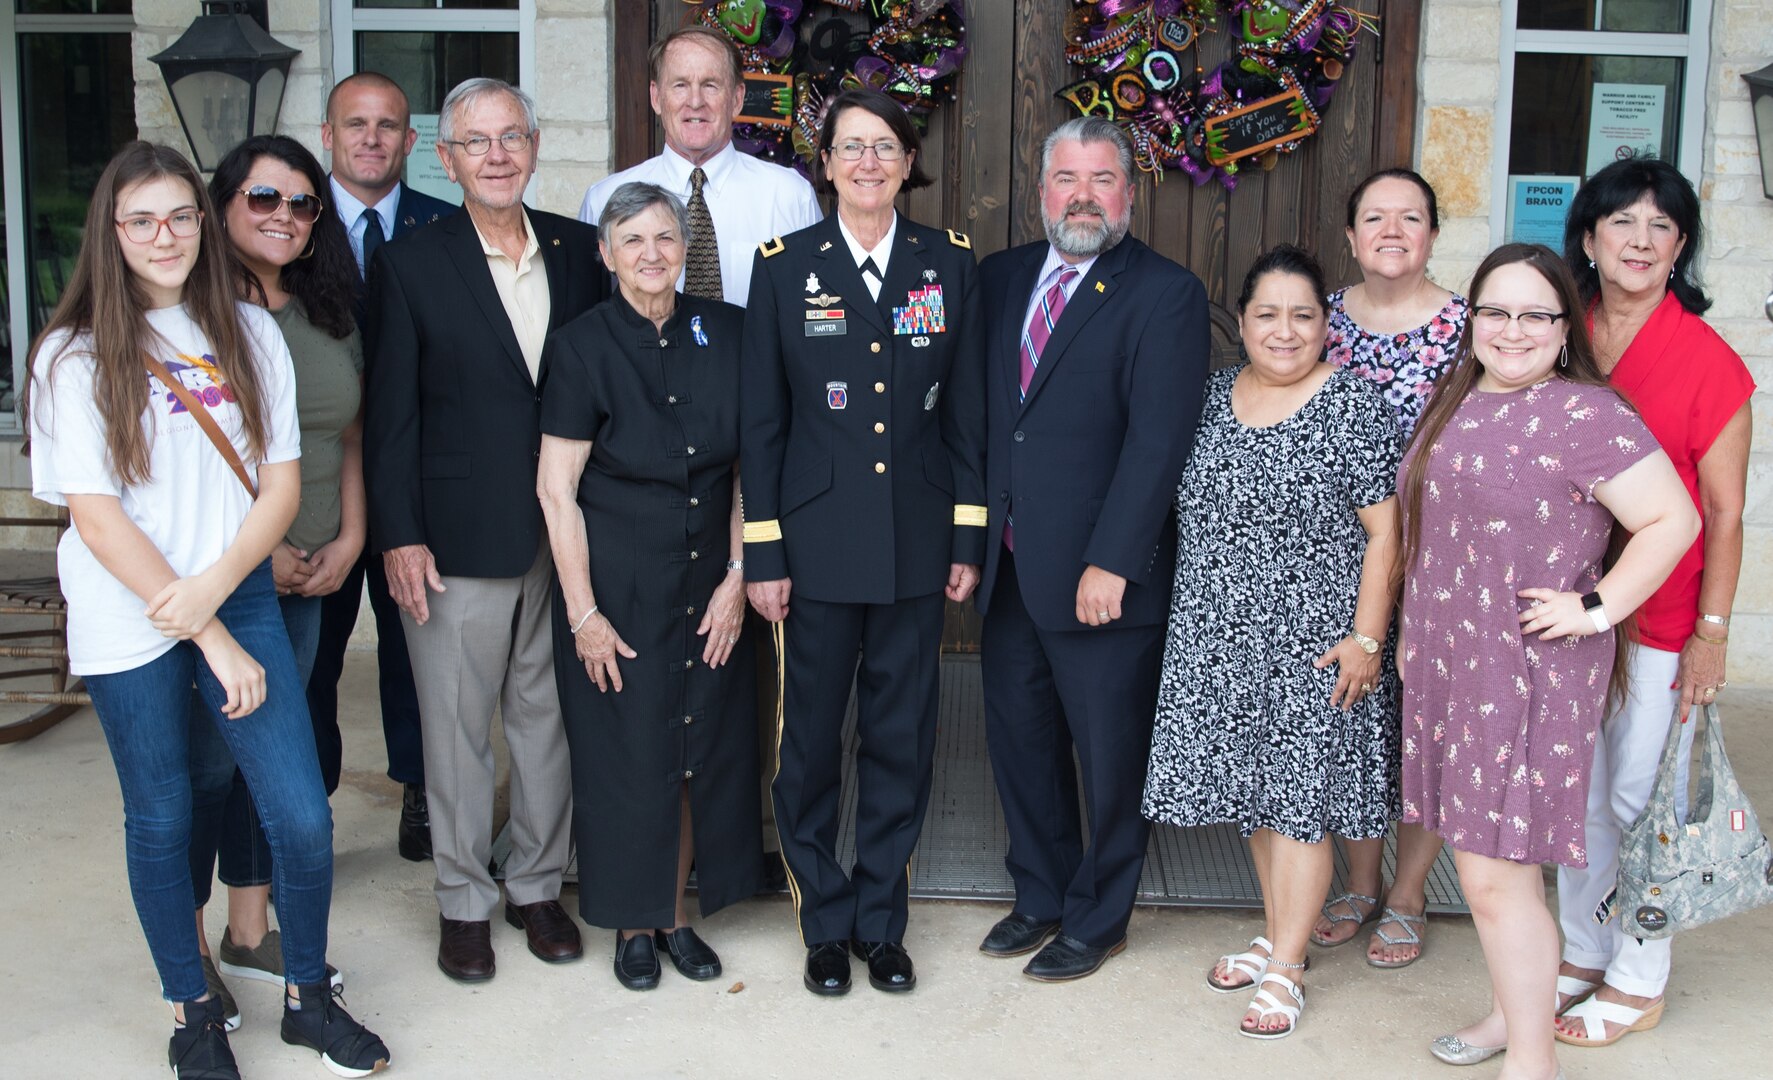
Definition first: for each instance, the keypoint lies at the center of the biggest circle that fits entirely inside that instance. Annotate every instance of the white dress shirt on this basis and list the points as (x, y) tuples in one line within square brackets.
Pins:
[(351, 209), (748, 199), (879, 253)]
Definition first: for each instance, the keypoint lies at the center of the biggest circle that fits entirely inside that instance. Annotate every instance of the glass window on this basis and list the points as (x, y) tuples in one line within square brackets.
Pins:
[(62, 76), (428, 64), (1574, 113), (1628, 16), (72, 7), (481, 5)]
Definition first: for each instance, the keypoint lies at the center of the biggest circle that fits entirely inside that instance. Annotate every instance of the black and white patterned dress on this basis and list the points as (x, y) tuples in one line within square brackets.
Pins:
[(1267, 573)]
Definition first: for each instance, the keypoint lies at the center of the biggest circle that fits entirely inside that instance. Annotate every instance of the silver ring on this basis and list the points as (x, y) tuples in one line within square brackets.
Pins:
[(1711, 691), (1723, 684), (1366, 688), (1102, 615)]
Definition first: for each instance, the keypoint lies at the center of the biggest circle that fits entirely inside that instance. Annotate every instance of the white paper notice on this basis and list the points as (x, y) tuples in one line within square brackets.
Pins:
[(1625, 120), (423, 171)]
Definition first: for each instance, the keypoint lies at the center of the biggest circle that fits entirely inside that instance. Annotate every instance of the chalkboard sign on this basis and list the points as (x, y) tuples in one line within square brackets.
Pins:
[(1254, 128), (769, 99)]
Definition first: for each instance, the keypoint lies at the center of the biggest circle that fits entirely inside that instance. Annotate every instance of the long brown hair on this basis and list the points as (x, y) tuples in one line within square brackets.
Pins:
[(104, 298), (1453, 388)]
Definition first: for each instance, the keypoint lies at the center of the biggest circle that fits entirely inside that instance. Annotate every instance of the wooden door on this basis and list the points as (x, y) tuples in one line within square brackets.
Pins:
[(984, 151)]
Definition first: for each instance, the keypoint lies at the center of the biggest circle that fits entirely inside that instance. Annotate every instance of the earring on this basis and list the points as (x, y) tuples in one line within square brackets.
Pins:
[(1564, 355), (308, 253), (1591, 264)]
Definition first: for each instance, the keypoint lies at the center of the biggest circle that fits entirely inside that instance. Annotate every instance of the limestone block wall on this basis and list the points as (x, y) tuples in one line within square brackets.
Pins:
[(1459, 81)]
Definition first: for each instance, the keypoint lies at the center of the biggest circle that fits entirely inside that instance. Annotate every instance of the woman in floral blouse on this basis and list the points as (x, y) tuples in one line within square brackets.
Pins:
[(1519, 469)]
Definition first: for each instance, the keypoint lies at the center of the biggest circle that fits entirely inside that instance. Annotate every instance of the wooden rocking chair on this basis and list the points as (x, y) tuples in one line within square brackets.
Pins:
[(38, 598)]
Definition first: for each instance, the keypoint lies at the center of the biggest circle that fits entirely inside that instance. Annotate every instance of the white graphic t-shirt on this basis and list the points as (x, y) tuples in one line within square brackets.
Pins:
[(191, 505)]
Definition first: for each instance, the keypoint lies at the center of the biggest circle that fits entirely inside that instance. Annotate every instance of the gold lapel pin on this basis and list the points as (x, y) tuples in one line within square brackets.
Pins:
[(1101, 288), (557, 244)]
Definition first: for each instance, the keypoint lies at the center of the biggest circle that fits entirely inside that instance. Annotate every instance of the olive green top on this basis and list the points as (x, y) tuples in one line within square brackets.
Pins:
[(329, 390)]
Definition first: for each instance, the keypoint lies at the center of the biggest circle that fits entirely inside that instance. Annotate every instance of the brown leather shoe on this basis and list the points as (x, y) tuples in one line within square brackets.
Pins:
[(464, 949), (553, 936)]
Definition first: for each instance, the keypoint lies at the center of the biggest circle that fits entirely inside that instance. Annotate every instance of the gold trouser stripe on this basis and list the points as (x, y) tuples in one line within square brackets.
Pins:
[(779, 630), (967, 514), (762, 532)]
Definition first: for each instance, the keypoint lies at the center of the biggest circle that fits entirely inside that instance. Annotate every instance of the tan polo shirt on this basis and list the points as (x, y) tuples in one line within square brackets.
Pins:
[(523, 289)]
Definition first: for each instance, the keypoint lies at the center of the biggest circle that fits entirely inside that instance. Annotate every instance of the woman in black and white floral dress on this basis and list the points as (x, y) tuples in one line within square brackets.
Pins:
[(1278, 707)]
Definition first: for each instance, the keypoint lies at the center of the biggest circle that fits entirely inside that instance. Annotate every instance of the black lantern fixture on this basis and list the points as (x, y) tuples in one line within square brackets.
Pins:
[(1760, 96), (226, 75)]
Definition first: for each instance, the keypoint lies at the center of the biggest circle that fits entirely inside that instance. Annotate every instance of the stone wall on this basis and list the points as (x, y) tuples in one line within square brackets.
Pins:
[(1459, 81)]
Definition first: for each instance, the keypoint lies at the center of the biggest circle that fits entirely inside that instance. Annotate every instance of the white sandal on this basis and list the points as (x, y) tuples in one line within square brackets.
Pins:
[(1250, 963), (1595, 1015), (1266, 1005), (1578, 991)]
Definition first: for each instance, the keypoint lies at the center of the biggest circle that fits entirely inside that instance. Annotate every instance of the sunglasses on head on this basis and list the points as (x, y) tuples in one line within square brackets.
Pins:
[(263, 200)]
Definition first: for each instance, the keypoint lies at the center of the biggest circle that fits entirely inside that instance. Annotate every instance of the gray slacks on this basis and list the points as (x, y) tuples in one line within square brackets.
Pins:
[(487, 643)]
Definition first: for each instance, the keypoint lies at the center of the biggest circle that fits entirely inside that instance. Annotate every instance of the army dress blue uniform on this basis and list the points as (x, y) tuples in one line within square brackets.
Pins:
[(861, 461)]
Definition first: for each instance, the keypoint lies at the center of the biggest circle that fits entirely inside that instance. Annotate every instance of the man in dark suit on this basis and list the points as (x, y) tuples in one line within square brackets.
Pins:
[(369, 133), (1095, 364), (452, 434)]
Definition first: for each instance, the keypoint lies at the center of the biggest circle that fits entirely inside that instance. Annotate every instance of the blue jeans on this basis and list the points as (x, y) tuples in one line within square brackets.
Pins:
[(224, 821), (147, 719)]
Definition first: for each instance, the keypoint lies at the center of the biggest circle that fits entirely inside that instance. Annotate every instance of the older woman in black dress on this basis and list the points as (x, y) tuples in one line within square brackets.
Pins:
[(639, 450)]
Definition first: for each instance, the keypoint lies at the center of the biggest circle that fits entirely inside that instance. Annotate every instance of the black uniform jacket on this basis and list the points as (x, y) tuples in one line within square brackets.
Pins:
[(1090, 460), (451, 421), (862, 423)]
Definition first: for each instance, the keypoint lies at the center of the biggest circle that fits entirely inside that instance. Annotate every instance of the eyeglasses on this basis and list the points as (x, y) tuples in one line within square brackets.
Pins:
[(1534, 324), (514, 142), (885, 150), (263, 200), (145, 229)]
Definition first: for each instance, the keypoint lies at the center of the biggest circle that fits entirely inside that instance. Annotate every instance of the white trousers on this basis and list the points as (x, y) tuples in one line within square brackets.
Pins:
[(1627, 751)]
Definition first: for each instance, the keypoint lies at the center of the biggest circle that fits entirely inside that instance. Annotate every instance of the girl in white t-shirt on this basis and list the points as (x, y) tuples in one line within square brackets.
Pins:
[(167, 577)]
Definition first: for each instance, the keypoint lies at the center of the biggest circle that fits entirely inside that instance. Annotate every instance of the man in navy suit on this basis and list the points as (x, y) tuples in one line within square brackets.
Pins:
[(369, 132), (1095, 363)]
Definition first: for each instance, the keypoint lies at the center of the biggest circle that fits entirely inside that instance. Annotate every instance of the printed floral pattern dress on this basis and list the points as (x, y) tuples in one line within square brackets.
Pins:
[(1267, 575), (1498, 733), (1404, 366)]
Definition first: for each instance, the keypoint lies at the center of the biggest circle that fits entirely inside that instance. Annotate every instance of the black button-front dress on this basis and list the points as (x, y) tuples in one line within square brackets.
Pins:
[(660, 409)]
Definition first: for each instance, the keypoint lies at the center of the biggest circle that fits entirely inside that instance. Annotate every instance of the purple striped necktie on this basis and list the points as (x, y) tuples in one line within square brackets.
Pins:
[(1041, 323)]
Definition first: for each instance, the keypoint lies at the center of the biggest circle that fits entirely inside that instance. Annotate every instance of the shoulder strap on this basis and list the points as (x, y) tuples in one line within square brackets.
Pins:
[(194, 405)]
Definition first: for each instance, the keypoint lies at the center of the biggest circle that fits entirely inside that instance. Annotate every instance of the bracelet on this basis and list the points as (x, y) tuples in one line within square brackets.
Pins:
[(735, 564), (580, 624), (1725, 640), (1716, 620)]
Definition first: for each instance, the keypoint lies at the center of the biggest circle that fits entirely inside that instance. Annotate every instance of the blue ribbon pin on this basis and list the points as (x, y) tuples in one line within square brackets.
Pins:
[(696, 330)]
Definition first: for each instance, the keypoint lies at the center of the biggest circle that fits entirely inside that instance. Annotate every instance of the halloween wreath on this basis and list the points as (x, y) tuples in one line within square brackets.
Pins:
[(1265, 100), (798, 54)]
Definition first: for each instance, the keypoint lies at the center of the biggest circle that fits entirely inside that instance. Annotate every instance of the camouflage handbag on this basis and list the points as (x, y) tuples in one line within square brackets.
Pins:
[(1675, 877)]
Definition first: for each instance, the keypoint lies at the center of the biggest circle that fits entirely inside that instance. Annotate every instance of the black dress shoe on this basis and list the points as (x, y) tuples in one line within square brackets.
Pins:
[(464, 949), (414, 837), (1016, 934), (689, 954), (637, 962), (828, 969), (889, 965), (1066, 958)]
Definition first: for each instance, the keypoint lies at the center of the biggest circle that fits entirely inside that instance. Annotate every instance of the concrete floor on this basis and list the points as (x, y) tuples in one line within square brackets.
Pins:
[(81, 999)]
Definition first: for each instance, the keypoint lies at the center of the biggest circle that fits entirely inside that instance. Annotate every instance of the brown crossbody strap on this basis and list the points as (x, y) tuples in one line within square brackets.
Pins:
[(194, 405)]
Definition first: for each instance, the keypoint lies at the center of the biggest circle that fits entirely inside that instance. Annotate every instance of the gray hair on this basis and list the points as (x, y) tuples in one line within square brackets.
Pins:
[(468, 91), (1089, 129), (635, 198)]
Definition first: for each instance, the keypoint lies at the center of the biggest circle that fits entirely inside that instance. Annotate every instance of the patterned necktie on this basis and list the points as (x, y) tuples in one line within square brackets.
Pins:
[(372, 236), (701, 267), (1041, 323)]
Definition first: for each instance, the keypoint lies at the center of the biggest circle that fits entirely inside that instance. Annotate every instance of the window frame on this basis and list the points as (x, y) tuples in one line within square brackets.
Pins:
[(348, 21), (13, 28), (1693, 47)]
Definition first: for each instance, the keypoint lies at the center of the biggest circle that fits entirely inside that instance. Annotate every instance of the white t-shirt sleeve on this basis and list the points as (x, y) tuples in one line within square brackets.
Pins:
[(283, 434), (68, 451)]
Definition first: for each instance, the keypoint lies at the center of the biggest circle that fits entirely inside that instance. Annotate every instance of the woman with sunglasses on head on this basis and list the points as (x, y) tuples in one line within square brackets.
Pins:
[(1631, 240), (179, 486), (1516, 476), (301, 269)]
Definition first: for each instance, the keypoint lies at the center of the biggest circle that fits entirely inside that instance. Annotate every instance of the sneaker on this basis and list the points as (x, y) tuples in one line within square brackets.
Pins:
[(199, 1050), (219, 991), (264, 963), (321, 1023)]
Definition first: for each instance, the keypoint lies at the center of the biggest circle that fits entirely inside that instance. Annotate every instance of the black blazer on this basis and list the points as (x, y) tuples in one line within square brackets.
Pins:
[(1091, 459), (417, 209), (861, 437), (451, 426)]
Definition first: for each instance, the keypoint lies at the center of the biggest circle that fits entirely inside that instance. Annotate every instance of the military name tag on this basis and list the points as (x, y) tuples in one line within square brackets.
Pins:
[(826, 327)]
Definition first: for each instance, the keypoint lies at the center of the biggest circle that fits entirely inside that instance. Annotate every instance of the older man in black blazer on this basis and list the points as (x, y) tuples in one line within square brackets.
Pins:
[(460, 311), (1094, 368)]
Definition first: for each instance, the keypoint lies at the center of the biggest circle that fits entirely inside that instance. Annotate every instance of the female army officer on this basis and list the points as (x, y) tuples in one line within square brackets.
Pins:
[(861, 461)]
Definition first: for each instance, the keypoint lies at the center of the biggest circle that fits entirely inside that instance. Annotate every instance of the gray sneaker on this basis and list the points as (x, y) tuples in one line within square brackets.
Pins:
[(264, 963), (218, 989)]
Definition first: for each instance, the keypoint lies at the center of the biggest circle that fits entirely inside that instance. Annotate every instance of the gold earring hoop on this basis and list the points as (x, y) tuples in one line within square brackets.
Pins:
[(308, 254)]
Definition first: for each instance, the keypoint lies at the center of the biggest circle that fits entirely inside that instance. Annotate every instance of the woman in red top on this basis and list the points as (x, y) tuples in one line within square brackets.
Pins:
[(1632, 238)]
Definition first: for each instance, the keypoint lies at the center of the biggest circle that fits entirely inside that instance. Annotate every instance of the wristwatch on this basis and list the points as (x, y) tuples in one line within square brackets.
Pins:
[(1367, 644), (735, 564), (1591, 603)]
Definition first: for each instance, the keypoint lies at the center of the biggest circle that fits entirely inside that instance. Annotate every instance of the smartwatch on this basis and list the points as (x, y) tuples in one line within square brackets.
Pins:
[(1591, 603)]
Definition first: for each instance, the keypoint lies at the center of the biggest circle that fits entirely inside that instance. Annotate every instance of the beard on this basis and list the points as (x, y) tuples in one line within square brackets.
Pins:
[(1081, 240)]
